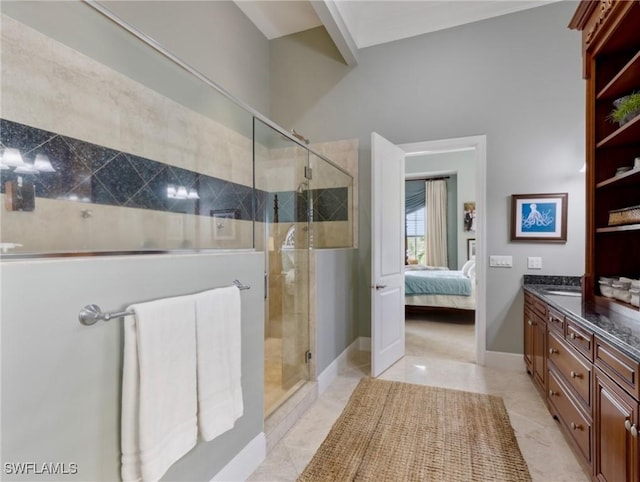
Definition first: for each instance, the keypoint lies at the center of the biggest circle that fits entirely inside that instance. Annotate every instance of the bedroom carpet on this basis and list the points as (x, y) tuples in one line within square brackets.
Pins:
[(398, 431)]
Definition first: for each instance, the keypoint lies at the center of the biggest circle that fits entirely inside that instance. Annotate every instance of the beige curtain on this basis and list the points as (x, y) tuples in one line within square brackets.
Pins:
[(436, 223)]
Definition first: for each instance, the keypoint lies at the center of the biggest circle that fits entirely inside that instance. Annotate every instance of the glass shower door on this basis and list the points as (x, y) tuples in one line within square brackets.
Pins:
[(282, 230), (331, 202)]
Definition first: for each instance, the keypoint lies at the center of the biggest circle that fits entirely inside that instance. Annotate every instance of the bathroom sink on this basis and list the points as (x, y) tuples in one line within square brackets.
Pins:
[(562, 291)]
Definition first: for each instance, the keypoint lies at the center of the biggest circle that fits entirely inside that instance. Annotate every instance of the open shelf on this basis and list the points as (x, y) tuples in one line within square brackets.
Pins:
[(627, 134), (618, 306), (629, 177), (615, 229), (624, 82)]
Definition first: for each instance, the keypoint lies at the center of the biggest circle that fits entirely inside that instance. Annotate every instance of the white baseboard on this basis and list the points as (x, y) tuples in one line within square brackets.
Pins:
[(364, 343), (505, 361), (330, 373), (245, 462)]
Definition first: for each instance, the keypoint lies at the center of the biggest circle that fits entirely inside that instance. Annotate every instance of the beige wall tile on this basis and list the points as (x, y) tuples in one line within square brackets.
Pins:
[(50, 86)]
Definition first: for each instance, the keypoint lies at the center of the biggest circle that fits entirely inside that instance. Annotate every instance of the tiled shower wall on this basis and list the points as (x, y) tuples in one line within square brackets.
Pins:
[(116, 145), (116, 142)]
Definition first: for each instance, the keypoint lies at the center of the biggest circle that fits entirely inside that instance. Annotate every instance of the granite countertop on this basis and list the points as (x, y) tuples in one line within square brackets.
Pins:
[(619, 330)]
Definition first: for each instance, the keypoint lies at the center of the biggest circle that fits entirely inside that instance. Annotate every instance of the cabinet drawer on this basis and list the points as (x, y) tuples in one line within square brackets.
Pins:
[(573, 420), (540, 307), (555, 320), (575, 371), (581, 339), (618, 366), (528, 299)]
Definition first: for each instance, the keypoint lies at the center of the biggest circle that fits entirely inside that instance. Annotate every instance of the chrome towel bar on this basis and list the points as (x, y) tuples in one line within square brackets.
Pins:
[(91, 314)]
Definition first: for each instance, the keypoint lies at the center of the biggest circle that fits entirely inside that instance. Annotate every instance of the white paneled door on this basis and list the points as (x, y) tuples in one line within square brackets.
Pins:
[(387, 254)]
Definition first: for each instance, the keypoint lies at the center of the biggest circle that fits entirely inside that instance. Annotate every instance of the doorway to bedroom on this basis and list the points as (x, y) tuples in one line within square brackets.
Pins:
[(441, 236)]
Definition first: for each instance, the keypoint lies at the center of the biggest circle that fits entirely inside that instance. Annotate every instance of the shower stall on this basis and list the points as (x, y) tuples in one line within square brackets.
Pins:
[(165, 168), (304, 203)]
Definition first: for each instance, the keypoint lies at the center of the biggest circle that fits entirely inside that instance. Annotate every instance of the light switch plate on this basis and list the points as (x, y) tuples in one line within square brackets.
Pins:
[(534, 262), (501, 261)]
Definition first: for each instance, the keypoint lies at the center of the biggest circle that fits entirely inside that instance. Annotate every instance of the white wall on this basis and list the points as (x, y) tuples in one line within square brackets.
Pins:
[(515, 78)]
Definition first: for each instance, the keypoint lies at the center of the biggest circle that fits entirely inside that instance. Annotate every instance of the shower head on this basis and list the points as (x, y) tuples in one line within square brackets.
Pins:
[(298, 136)]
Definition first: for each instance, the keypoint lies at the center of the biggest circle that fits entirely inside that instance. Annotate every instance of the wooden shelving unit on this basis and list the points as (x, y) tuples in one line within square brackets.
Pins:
[(618, 229), (611, 50), (628, 133), (624, 82), (616, 305), (627, 179)]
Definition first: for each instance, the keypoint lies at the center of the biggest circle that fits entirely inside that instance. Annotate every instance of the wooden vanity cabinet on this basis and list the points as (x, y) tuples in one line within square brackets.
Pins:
[(616, 414), (539, 354), (572, 418), (591, 388), (570, 385), (573, 368), (535, 340), (616, 423)]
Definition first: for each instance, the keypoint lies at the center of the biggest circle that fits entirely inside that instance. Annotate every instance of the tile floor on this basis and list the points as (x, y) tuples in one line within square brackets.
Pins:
[(439, 353)]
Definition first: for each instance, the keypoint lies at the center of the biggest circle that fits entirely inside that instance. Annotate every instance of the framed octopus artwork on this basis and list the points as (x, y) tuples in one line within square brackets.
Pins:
[(539, 217)]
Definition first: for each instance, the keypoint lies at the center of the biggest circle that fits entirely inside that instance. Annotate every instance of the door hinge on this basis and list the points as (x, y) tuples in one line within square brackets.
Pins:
[(307, 356), (308, 172)]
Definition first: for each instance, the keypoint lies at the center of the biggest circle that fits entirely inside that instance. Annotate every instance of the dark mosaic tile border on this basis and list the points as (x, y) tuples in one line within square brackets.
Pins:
[(94, 174), (331, 204)]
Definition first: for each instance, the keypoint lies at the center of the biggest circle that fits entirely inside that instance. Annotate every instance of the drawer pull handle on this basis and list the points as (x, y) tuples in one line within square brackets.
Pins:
[(627, 425), (529, 322), (552, 351), (634, 431), (576, 426), (573, 336), (575, 375), (553, 394)]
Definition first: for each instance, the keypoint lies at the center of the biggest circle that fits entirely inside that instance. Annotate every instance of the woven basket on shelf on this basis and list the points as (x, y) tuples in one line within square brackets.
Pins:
[(628, 215)]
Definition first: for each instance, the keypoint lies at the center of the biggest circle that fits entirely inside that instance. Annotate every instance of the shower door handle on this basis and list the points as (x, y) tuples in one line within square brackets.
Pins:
[(266, 285)]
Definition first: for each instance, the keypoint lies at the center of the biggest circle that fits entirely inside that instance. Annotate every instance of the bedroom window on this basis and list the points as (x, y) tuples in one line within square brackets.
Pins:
[(415, 236)]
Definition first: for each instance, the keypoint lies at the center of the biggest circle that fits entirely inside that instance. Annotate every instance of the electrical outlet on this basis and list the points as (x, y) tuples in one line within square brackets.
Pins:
[(501, 261), (534, 262)]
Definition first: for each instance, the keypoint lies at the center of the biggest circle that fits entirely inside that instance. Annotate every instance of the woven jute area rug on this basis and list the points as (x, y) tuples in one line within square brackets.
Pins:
[(393, 431)]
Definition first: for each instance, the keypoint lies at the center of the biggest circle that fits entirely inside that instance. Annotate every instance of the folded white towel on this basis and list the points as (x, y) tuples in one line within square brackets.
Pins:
[(159, 420), (219, 360)]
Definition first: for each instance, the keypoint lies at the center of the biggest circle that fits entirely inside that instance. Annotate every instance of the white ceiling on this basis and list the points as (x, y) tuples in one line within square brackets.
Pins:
[(277, 18), (373, 22)]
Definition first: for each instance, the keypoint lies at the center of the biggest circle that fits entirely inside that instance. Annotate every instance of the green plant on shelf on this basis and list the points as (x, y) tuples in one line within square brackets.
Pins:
[(625, 108)]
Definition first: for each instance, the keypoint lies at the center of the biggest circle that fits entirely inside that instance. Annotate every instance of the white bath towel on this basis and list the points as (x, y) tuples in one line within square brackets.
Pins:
[(159, 405), (218, 325)]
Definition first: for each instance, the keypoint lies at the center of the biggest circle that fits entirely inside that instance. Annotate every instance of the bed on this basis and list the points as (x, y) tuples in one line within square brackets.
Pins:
[(440, 288)]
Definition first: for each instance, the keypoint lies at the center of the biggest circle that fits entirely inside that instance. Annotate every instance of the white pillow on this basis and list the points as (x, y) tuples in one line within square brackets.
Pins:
[(472, 272), (467, 266)]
